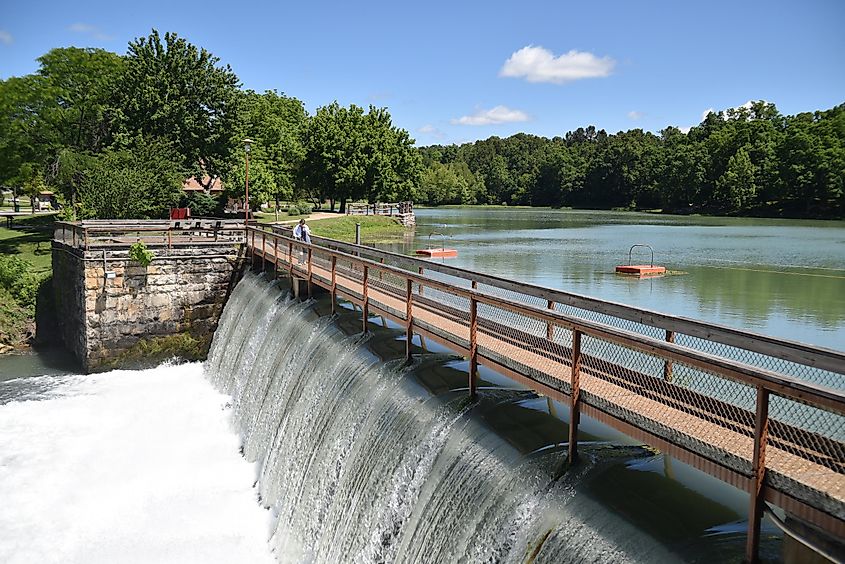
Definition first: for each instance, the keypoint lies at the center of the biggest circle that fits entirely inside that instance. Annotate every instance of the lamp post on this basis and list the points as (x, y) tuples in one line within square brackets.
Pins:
[(247, 143)]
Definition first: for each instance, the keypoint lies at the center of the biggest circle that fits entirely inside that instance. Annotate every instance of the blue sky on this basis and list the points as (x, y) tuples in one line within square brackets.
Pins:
[(451, 72)]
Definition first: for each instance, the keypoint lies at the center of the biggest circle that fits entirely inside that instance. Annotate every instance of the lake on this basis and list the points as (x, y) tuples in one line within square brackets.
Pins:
[(784, 278)]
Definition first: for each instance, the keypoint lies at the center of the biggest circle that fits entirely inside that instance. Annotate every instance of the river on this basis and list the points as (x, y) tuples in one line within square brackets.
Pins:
[(79, 455), (784, 278)]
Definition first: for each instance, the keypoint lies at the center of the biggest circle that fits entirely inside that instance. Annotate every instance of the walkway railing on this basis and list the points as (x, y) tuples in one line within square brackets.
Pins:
[(391, 209), (112, 234), (764, 414)]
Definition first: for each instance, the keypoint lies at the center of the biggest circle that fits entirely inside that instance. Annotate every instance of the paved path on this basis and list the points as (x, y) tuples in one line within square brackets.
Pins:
[(312, 217)]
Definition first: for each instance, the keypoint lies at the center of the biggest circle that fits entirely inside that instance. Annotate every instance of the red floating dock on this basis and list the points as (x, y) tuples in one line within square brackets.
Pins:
[(641, 269), (438, 253)]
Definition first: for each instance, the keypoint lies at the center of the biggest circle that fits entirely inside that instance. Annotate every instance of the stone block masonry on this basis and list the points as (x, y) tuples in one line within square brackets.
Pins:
[(113, 312)]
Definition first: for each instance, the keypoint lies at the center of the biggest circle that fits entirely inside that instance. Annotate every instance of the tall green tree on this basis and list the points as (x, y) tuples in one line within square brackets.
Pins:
[(737, 187), (178, 92), (66, 107), (353, 155), (277, 125)]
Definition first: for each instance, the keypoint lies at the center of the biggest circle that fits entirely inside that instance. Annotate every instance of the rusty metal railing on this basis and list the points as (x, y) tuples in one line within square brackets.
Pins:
[(114, 234)]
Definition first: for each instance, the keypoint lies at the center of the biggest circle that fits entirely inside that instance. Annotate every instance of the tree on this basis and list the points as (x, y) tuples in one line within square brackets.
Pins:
[(81, 85), (682, 172), (736, 188), (277, 124), (177, 92), (262, 183), (451, 183), (351, 155), (65, 106), (141, 182)]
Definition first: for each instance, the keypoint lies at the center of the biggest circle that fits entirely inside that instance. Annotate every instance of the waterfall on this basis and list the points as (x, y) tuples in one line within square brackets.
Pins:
[(359, 461)]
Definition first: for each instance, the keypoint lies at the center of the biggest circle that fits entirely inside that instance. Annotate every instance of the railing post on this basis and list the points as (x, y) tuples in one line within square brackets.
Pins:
[(252, 251), (758, 480), (334, 283), (365, 305), (275, 256), (290, 259), (169, 238), (85, 237), (310, 286), (263, 250), (550, 327), (409, 320), (473, 346), (420, 270), (667, 364), (574, 399)]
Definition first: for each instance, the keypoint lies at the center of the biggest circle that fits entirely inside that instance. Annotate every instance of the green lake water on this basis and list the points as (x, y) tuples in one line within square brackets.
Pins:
[(784, 278)]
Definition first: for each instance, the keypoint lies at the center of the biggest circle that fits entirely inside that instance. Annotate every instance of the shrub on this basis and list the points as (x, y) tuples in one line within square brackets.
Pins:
[(140, 254), (293, 210), (15, 276), (203, 204), (304, 207)]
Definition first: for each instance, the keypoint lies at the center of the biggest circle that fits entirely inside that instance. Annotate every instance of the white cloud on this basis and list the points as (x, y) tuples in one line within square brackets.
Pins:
[(499, 114), (429, 129), (536, 64), (635, 115), (6, 37), (685, 130), (91, 30)]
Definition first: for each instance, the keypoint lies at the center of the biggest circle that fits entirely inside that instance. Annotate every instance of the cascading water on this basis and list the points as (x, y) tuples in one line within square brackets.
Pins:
[(360, 462)]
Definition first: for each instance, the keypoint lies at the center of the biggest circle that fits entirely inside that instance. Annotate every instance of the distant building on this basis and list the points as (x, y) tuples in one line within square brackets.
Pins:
[(192, 185)]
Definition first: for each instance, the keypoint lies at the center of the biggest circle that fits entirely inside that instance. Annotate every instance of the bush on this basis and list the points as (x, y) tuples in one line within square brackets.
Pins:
[(304, 207), (140, 254), (293, 211), (203, 205), (15, 276)]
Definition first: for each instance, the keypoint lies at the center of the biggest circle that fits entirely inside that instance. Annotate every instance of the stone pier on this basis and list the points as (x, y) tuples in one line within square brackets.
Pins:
[(114, 312)]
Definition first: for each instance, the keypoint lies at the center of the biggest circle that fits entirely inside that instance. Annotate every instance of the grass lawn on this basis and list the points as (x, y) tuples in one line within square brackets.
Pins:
[(373, 228), (30, 240)]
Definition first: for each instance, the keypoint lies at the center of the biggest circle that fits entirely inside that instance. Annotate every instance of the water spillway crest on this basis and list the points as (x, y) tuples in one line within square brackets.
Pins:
[(360, 462)]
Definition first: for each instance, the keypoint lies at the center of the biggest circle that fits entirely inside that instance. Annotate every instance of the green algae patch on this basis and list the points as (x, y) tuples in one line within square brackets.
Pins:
[(152, 351)]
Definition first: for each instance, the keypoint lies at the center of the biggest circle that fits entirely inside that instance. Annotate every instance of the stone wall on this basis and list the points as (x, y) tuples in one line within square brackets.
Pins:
[(126, 317)]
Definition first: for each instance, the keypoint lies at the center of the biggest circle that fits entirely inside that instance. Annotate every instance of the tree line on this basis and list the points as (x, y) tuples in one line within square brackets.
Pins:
[(749, 160), (115, 136)]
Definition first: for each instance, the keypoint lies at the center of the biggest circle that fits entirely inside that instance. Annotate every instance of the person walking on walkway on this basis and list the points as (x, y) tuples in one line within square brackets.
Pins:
[(302, 232)]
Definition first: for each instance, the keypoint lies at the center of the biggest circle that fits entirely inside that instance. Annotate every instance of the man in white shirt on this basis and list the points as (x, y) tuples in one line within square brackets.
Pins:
[(302, 232)]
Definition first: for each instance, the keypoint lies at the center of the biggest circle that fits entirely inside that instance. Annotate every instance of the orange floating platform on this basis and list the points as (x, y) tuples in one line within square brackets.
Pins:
[(641, 269), (438, 253)]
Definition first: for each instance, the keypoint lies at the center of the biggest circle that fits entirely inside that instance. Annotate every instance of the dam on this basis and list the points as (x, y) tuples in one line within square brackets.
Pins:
[(267, 350)]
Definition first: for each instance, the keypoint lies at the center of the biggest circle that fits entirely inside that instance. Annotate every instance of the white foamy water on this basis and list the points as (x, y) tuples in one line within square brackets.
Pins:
[(126, 466)]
